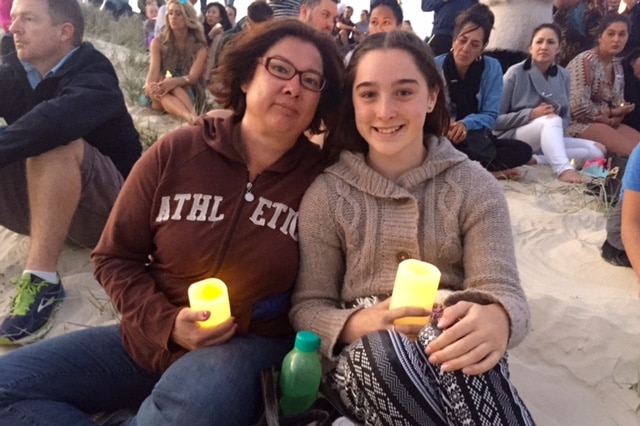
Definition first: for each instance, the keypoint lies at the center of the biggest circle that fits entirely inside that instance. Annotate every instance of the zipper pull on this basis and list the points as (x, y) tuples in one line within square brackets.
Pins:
[(248, 196)]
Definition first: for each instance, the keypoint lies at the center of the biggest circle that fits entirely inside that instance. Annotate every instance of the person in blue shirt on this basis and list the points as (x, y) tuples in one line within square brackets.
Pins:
[(622, 246), (474, 84)]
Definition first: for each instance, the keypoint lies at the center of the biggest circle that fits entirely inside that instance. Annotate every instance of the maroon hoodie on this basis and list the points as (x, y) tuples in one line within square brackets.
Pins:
[(182, 216)]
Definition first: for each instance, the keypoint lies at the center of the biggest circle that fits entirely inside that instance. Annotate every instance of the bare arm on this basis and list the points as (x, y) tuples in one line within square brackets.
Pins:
[(631, 228), (154, 75), (195, 72)]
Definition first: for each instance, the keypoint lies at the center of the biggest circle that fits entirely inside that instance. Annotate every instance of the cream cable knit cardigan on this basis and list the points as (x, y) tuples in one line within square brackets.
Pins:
[(355, 226)]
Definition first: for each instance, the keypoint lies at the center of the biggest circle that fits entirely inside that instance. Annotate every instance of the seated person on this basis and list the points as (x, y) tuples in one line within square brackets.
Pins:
[(320, 14), (118, 8), (535, 108), (151, 14), (385, 16), (362, 25), (142, 5), (445, 13), (257, 12), (346, 28), (232, 12), (218, 199), (68, 147), (474, 85), (622, 246), (632, 10), (389, 197), (598, 105), (215, 23), (631, 66), (162, 14), (175, 81), (578, 21)]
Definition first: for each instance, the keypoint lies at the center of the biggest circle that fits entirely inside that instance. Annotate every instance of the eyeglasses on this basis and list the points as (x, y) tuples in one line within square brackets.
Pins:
[(284, 70)]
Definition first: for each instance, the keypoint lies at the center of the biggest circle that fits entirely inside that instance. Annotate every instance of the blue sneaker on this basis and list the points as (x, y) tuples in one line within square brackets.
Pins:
[(31, 310)]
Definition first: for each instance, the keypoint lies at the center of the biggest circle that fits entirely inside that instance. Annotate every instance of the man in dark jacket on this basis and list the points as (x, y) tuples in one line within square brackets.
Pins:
[(68, 146)]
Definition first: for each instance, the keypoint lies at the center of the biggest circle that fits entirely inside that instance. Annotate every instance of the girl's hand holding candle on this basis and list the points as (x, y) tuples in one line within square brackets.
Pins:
[(210, 295), (416, 285)]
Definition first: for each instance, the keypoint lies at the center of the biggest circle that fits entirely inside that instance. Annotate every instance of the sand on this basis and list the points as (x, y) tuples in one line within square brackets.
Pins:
[(582, 357), (577, 365)]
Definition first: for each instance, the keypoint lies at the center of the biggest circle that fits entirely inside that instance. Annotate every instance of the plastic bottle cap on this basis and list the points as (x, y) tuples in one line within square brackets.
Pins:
[(307, 341)]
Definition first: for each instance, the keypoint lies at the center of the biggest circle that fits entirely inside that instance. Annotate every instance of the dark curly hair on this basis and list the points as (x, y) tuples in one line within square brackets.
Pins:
[(239, 59)]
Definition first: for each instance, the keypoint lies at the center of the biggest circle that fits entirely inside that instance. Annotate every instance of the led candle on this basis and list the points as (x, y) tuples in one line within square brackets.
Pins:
[(210, 295), (416, 285)]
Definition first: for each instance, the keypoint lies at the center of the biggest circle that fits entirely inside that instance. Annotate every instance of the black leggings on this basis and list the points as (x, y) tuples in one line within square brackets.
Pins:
[(509, 153)]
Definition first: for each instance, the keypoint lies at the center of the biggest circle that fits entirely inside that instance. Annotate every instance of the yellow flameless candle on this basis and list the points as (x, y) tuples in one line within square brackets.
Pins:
[(416, 285), (210, 295)]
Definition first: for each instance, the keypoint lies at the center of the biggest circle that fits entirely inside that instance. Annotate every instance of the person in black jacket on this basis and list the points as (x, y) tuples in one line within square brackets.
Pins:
[(631, 66), (68, 145)]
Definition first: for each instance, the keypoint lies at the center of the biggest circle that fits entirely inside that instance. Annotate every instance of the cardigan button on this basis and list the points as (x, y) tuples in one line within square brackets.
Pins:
[(403, 255)]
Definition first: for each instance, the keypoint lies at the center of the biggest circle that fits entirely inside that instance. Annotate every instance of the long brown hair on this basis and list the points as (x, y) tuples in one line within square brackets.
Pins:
[(345, 135)]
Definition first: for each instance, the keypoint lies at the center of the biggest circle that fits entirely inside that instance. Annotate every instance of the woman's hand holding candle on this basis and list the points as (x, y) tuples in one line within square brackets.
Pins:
[(208, 322), (188, 333), (474, 340), (210, 295)]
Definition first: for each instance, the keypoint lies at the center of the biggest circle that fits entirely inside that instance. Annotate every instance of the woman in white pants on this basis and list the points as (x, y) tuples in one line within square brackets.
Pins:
[(535, 108)]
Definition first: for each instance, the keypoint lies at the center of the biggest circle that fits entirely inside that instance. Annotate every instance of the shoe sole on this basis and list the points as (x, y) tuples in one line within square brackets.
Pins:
[(39, 333)]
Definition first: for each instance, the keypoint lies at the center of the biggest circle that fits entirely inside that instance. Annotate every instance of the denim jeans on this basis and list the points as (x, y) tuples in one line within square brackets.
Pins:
[(60, 381)]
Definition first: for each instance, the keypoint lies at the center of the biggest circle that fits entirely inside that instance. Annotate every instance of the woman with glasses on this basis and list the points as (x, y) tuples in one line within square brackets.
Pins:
[(217, 199)]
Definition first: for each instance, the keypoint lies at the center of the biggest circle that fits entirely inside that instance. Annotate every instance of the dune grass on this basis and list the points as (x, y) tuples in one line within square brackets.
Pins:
[(126, 31), (131, 59)]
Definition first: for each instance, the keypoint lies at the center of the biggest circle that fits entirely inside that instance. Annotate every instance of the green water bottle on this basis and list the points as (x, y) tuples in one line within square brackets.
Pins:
[(300, 375)]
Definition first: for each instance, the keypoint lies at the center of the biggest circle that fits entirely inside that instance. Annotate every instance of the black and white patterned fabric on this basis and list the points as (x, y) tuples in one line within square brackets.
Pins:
[(385, 378)]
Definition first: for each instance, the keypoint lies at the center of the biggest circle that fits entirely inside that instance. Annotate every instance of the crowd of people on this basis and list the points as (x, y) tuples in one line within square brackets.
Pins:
[(307, 236)]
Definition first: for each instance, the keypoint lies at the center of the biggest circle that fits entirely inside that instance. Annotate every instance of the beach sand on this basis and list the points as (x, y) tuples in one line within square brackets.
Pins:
[(582, 357), (577, 365)]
